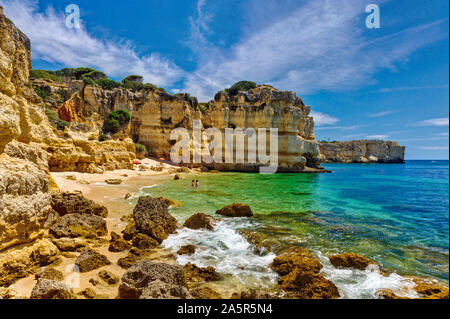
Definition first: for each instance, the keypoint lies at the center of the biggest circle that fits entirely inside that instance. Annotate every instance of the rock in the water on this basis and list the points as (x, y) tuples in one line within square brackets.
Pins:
[(387, 294), (76, 225), (70, 244), (187, 250), (119, 245), (236, 210), (75, 203), (108, 277), (144, 242), (90, 260), (205, 293), (200, 221), (162, 290), (138, 277), (50, 289), (150, 213), (194, 274), (113, 181), (301, 276), (50, 273), (350, 260), (430, 288)]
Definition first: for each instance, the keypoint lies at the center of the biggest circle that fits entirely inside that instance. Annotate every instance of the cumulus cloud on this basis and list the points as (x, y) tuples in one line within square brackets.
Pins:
[(316, 47), (444, 121), (53, 42), (323, 119)]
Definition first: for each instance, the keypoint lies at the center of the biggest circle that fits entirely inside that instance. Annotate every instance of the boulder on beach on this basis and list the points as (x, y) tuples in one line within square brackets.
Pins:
[(119, 245), (144, 242), (161, 290), (143, 273), (79, 225), (90, 260), (70, 244), (50, 289), (350, 260), (152, 218), (134, 255), (75, 203), (108, 277), (236, 210), (49, 273), (200, 221), (113, 181)]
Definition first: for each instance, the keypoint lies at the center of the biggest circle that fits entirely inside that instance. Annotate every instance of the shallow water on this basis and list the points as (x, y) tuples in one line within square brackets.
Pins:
[(397, 215)]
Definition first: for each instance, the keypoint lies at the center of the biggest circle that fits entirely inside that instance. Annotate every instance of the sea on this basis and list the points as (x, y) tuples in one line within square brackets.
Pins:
[(395, 214)]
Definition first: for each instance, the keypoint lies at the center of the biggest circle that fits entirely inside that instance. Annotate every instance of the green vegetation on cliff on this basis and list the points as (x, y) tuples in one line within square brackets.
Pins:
[(241, 86), (116, 121), (47, 75), (55, 121)]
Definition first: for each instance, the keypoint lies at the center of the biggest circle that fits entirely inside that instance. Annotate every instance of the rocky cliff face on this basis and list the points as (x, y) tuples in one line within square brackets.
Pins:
[(156, 113), (363, 151), (29, 146)]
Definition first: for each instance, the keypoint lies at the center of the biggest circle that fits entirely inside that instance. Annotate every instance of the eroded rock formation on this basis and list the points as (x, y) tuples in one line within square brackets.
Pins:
[(362, 151)]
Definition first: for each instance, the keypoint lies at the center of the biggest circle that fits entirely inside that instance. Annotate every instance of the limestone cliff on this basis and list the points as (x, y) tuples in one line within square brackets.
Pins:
[(28, 144), (362, 151)]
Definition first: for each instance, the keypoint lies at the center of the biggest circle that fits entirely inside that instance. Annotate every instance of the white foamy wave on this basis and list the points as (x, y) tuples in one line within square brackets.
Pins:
[(363, 284), (227, 251), (143, 191)]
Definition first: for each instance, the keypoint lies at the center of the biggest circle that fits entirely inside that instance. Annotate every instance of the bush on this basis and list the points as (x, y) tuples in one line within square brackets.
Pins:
[(107, 84), (54, 119), (134, 78), (142, 149), (116, 121), (42, 74), (241, 86), (75, 73), (43, 94), (102, 137)]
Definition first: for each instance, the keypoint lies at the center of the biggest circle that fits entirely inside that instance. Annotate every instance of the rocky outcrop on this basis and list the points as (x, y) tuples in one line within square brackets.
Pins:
[(148, 279), (301, 277), (152, 218), (362, 151), (236, 210), (350, 260), (200, 221)]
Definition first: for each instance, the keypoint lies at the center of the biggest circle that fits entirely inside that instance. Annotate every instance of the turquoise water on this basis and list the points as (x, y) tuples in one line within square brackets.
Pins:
[(395, 214)]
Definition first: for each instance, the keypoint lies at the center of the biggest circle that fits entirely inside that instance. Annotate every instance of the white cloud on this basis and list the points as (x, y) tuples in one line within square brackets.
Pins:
[(434, 148), (323, 119), (444, 121), (52, 41), (378, 137), (319, 46), (381, 114), (412, 88), (443, 134)]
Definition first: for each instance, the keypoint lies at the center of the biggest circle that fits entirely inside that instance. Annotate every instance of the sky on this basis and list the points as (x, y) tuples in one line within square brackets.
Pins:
[(387, 83)]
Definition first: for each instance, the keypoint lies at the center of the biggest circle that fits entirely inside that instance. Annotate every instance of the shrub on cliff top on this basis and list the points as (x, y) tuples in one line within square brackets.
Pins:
[(107, 84), (116, 121), (42, 74), (241, 86), (134, 78)]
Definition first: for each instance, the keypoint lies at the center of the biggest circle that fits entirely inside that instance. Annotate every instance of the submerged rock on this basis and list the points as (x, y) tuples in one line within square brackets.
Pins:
[(350, 260), (236, 210), (194, 274), (90, 260), (200, 221), (152, 218), (187, 250), (143, 273), (50, 289), (75, 203), (77, 225), (205, 293)]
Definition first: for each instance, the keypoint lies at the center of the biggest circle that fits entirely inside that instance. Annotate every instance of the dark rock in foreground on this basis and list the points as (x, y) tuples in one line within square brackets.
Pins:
[(236, 210), (200, 221), (90, 260), (147, 279)]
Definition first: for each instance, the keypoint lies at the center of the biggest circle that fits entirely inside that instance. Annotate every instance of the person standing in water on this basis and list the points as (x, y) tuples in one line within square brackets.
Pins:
[(193, 184), (197, 184)]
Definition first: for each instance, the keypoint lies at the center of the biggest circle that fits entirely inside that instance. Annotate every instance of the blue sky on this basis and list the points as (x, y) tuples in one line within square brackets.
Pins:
[(388, 83)]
